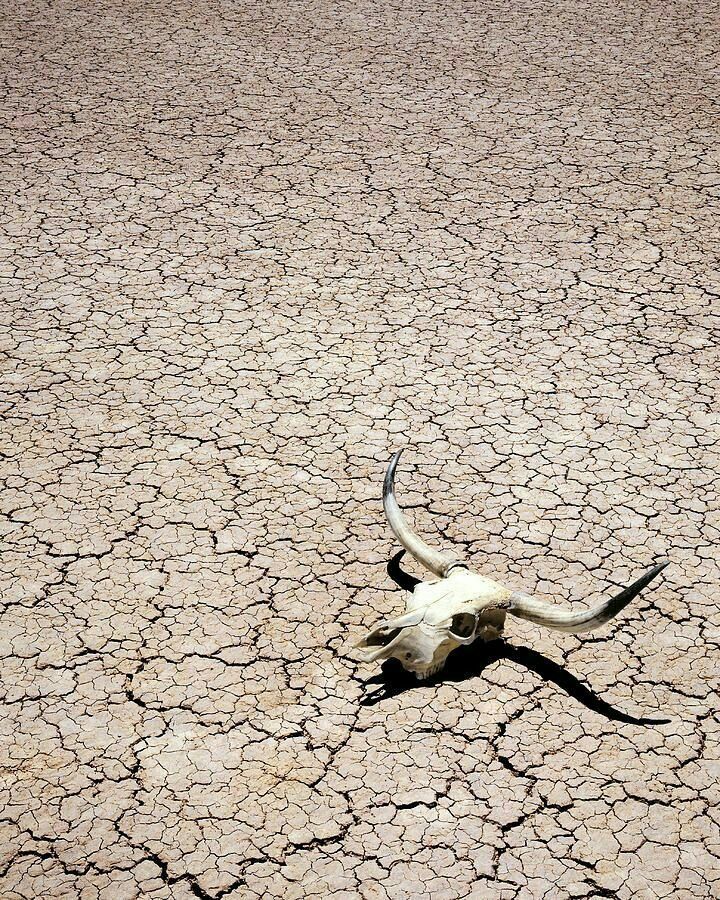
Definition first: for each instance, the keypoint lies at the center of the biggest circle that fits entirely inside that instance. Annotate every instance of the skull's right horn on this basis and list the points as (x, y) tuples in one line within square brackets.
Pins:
[(541, 613)]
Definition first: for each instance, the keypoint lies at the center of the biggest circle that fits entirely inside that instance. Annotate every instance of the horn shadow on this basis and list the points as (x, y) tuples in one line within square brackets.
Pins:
[(402, 579), (467, 662)]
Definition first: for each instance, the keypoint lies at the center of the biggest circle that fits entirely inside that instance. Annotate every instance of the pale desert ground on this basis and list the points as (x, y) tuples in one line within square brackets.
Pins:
[(249, 250)]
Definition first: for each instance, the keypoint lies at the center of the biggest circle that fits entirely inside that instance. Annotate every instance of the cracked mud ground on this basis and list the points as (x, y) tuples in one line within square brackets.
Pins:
[(252, 248)]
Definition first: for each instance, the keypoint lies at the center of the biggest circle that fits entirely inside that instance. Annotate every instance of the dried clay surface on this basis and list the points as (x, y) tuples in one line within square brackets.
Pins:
[(249, 250)]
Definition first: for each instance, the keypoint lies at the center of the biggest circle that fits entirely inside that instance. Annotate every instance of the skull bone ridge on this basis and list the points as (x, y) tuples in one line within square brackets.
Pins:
[(441, 616)]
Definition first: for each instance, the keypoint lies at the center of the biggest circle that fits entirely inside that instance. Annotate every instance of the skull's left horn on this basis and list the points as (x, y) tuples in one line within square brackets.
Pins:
[(551, 616), (437, 562)]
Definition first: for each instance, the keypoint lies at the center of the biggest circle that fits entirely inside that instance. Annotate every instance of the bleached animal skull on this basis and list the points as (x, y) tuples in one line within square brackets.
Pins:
[(463, 607)]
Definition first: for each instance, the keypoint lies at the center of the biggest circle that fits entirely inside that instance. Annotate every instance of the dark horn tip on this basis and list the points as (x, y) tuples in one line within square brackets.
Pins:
[(390, 474), (644, 580)]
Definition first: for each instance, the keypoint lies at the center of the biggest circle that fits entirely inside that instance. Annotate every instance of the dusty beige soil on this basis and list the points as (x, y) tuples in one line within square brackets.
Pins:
[(252, 248)]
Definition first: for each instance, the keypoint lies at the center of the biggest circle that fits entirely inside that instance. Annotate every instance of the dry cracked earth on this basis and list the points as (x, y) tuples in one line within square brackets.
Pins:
[(249, 249)]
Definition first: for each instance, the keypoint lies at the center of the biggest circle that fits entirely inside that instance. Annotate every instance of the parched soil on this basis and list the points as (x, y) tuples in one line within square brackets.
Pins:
[(249, 249)]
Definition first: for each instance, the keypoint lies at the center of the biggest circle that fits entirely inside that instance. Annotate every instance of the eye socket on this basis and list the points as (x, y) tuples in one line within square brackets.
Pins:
[(463, 625)]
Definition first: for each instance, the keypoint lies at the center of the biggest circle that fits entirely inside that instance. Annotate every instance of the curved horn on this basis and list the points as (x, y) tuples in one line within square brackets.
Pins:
[(434, 560), (551, 616)]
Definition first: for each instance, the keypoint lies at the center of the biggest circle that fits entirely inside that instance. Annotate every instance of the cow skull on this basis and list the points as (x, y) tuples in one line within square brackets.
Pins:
[(462, 607)]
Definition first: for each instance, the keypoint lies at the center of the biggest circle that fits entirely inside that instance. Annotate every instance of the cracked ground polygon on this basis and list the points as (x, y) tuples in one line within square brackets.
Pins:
[(249, 250)]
